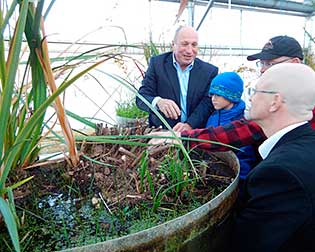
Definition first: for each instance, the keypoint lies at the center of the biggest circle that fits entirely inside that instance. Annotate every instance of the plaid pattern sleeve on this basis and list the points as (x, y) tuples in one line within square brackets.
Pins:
[(237, 133)]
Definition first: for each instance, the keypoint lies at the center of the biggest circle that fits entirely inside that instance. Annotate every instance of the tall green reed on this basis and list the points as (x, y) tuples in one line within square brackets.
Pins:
[(24, 101)]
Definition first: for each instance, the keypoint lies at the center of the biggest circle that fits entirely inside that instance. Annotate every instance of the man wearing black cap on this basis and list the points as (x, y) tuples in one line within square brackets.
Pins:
[(277, 50)]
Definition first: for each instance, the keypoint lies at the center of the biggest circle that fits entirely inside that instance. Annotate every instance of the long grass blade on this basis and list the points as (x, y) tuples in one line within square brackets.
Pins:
[(65, 125), (81, 119), (3, 24), (12, 65), (10, 223)]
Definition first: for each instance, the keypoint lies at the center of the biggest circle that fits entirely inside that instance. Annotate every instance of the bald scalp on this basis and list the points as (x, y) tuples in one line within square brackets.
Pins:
[(296, 83), (184, 29)]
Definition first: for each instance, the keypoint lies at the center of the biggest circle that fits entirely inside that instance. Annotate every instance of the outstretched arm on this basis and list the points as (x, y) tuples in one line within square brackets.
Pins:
[(237, 133)]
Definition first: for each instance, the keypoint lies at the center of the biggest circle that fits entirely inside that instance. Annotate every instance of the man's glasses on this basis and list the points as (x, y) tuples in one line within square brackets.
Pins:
[(253, 91), (267, 64)]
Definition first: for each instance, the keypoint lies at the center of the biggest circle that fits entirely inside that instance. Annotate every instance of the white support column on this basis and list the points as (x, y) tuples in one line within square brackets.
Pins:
[(309, 31), (191, 12)]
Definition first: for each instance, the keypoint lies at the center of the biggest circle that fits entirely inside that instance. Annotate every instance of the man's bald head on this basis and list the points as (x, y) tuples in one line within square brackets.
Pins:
[(296, 84), (184, 29)]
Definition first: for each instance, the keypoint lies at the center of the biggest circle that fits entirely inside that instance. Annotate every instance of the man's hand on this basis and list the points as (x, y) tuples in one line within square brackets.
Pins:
[(160, 141), (181, 127), (169, 108)]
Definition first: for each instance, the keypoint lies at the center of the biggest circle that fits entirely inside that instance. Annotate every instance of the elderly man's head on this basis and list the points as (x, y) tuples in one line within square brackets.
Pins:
[(185, 45), (284, 95), (277, 50)]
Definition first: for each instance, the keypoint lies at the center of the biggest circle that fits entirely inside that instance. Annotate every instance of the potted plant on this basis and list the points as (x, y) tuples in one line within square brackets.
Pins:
[(128, 114)]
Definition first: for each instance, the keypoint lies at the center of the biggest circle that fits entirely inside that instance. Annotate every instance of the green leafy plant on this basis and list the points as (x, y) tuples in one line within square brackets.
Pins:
[(150, 50), (129, 109), (309, 55)]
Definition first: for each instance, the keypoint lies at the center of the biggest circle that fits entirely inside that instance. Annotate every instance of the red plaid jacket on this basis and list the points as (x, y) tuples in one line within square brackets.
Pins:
[(237, 133)]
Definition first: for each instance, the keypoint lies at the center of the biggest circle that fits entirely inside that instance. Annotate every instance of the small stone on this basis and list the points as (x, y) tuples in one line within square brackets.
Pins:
[(107, 171), (94, 201)]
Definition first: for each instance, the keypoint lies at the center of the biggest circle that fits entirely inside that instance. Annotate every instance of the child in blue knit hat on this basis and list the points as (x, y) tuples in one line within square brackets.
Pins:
[(225, 91)]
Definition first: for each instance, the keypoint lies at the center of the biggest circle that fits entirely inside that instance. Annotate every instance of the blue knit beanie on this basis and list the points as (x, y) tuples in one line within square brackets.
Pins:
[(229, 85)]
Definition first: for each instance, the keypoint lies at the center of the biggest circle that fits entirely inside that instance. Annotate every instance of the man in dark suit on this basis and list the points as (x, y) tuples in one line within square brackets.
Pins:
[(278, 213), (177, 84)]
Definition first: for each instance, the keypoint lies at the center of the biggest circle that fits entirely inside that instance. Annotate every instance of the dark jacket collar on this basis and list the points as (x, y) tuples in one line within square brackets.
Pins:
[(295, 134)]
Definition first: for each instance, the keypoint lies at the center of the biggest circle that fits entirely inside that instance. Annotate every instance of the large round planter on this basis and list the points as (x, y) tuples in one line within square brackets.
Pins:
[(206, 228)]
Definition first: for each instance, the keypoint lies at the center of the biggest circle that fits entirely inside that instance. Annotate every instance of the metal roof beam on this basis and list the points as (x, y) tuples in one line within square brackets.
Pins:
[(294, 8)]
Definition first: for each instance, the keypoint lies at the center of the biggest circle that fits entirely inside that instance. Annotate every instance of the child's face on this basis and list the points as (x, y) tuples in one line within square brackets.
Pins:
[(219, 102)]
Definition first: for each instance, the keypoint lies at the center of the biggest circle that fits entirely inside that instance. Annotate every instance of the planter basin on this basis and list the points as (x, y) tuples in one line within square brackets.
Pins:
[(206, 228)]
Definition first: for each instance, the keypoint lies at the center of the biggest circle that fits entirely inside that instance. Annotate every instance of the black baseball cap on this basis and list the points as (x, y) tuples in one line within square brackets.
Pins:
[(277, 47)]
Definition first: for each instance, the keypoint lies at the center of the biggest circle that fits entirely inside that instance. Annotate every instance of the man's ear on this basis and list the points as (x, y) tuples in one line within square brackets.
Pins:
[(295, 60), (276, 103)]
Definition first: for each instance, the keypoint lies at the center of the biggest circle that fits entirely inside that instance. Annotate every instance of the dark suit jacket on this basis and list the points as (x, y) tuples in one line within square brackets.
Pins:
[(161, 80), (279, 212)]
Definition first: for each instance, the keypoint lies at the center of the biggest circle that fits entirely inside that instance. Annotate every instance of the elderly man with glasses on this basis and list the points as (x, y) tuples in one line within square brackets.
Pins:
[(278, 212)]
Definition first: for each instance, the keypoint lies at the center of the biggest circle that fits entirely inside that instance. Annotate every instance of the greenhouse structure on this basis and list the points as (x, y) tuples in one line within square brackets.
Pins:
[(108, 138)]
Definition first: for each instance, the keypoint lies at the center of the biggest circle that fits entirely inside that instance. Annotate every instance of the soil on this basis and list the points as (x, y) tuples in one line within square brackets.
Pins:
[(118, 178)]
